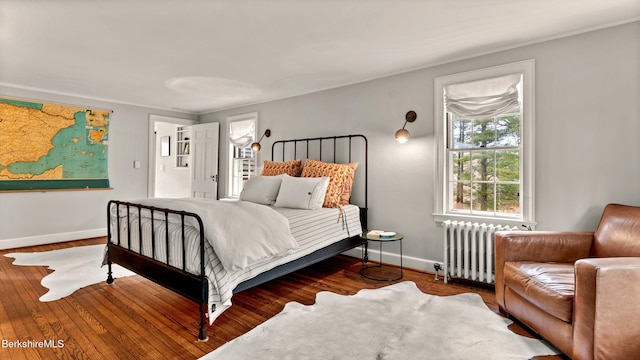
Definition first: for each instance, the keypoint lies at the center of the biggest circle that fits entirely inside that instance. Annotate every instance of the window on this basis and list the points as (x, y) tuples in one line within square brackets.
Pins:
[(484, 158), (242, 160), (484, 129)]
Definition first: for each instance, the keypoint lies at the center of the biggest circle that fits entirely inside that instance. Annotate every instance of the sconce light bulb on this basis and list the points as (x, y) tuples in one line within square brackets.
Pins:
[(402, 136), (256, 146)]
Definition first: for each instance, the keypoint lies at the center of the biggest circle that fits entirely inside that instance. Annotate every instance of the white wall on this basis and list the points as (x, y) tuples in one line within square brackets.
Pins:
[(28, 218), (171, 181), (587, 131)]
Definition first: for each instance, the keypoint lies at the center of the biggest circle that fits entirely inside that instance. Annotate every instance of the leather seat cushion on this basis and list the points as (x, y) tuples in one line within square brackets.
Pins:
[(549, 286)]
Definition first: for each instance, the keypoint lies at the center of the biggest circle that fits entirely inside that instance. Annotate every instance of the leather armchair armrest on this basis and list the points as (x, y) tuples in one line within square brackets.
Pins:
[(543, 246), (607, 308), (537, 246)]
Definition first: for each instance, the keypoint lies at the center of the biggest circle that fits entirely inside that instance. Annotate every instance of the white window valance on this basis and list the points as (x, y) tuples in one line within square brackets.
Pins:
[(483, 98), (241, 133)]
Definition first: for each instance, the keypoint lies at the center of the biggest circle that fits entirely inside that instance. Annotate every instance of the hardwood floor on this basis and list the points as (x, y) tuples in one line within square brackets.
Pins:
[(135, 318)]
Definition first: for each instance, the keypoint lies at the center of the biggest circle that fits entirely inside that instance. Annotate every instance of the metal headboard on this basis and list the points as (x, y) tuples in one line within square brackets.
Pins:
[(328, 149)]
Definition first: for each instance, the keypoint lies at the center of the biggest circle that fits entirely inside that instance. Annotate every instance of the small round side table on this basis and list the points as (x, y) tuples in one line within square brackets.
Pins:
[(366, 270)]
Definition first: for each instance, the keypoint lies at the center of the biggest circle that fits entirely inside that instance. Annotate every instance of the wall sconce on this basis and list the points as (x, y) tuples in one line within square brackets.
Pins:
[(403, 135), (256, 145)]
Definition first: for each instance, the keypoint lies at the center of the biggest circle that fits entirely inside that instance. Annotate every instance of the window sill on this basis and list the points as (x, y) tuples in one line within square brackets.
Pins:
[(519, 223)]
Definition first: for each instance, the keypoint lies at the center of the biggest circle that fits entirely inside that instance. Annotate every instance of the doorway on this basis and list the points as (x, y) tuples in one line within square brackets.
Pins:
[(167, 176)]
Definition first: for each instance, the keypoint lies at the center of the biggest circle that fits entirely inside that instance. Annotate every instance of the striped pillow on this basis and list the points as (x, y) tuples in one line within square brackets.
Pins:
[(338, 175), (273, 168)]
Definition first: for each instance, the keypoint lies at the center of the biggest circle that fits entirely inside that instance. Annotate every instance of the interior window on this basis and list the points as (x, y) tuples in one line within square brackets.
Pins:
[(242, 159)]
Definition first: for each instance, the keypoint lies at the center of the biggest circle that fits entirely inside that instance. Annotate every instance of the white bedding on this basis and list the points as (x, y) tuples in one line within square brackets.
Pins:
[(311, 229), (258, 232)]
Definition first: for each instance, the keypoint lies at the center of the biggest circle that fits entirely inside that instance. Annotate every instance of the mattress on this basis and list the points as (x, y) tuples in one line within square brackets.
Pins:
[(312, 229)]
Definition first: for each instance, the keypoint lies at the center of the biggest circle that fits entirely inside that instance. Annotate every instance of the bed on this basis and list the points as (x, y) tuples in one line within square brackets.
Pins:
[(185, 245)]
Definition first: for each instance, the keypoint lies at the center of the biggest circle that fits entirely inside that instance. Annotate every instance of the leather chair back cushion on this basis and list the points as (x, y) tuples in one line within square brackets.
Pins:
[(618, 234), (548, 286)]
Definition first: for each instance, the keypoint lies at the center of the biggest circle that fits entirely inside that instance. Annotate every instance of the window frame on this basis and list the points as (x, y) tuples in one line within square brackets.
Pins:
[(230, 151), (527, 133)]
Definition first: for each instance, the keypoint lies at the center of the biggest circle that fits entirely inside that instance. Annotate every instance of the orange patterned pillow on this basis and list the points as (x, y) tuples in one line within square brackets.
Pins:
[(273, 168), (338, 176), (346, 194)]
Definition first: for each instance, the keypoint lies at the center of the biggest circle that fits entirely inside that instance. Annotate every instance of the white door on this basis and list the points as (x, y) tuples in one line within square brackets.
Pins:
[(204, 159)]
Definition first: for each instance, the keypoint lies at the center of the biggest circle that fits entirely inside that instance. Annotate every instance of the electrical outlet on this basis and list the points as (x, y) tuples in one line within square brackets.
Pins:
[(437, 267)]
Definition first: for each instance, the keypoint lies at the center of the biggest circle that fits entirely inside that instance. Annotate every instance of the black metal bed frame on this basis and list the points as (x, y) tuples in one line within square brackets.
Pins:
[(195, 287)]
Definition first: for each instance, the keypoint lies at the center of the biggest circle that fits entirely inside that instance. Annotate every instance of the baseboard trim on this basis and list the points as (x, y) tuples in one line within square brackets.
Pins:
[(374, 254), (394, 259), (51, 238)]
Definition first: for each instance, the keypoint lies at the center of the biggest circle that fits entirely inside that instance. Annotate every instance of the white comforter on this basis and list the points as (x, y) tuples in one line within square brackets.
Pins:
[(240, 232)]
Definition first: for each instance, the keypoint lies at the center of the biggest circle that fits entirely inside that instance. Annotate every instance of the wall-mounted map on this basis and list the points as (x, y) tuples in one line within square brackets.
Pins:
[(51, 146)]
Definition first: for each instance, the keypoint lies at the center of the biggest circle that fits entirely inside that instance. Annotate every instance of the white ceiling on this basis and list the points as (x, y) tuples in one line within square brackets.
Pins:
[(203, 55)]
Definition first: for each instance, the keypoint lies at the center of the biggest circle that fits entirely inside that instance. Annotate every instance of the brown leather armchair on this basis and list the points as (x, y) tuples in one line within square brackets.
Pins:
[(578, 290)]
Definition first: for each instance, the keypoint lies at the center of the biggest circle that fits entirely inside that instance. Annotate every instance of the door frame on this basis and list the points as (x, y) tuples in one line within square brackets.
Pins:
[(153, 119)]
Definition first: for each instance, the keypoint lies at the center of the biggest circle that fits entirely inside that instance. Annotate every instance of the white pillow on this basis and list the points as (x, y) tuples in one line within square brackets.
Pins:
[(302, 193), (261, 189)]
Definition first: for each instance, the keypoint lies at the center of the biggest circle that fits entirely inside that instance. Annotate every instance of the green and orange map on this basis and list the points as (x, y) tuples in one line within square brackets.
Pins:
[(52, 146)]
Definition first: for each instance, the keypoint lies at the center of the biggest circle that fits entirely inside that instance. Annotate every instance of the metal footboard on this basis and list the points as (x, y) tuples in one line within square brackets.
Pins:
[(185, 283)]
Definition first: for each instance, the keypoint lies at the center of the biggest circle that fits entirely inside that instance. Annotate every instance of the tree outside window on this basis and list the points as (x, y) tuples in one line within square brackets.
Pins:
[(485, 164)]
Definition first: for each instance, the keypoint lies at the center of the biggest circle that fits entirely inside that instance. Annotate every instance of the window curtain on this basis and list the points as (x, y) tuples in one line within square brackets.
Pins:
[(483, 98), (241, 133)]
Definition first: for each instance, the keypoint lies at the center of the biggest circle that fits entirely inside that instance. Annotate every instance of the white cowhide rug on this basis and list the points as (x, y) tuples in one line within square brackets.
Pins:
[(74, 268), (395, 322)]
